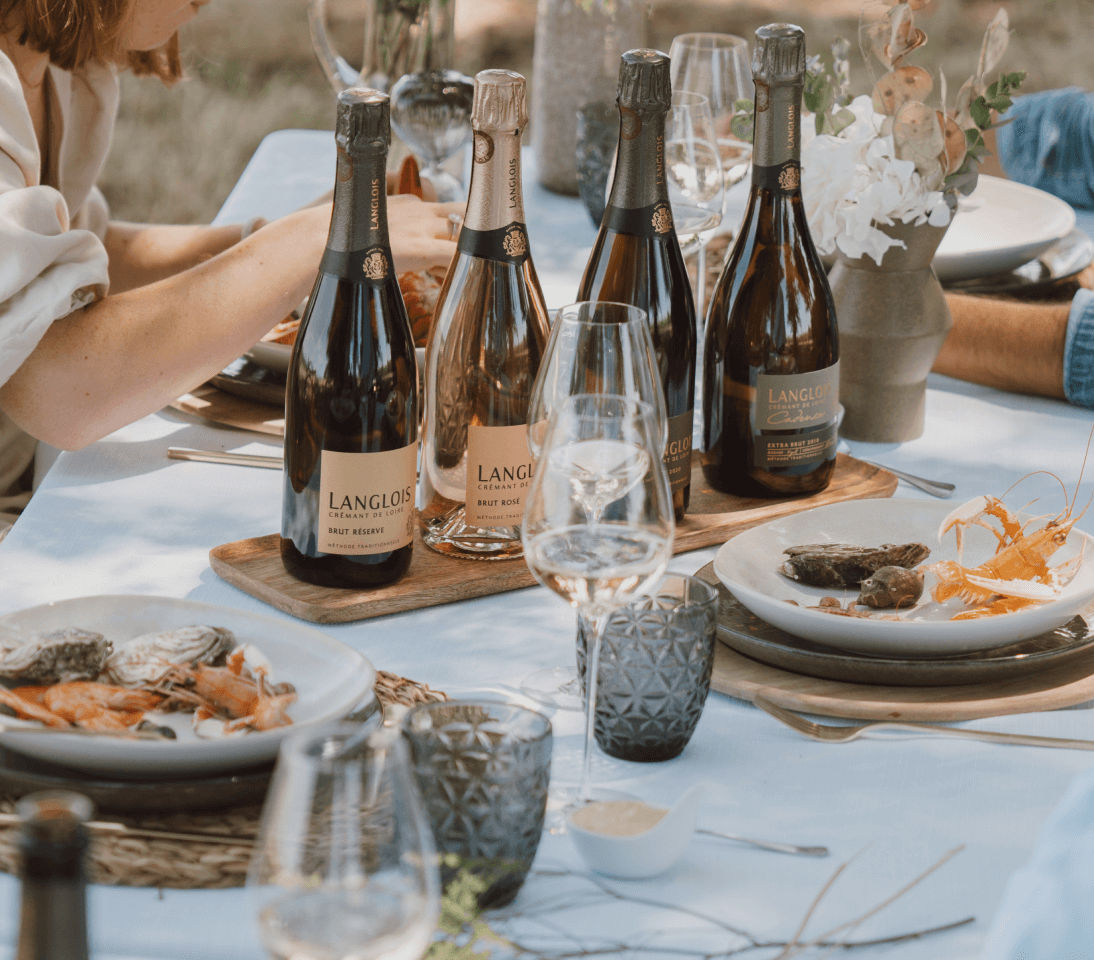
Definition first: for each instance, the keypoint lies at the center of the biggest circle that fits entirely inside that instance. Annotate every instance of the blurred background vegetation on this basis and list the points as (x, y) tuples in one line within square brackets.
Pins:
[(250, 70)]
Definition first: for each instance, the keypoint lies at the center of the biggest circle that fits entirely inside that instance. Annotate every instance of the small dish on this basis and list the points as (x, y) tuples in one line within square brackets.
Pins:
[(635, 856)]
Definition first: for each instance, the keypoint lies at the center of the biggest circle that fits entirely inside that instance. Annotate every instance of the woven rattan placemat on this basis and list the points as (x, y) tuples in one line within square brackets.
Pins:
[(124, 859)]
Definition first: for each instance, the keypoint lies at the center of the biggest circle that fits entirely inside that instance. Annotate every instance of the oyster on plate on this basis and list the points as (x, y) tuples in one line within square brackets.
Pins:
[(147, 659), (56, 656), (844, 565)]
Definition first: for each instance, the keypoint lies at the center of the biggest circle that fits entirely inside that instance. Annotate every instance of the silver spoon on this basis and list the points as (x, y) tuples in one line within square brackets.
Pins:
[(936, 488), (768, 844)]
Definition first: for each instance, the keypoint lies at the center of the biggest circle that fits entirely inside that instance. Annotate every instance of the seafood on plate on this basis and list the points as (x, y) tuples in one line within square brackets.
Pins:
[(75, 678), (847, 565), (56, 656), (1019, 573)]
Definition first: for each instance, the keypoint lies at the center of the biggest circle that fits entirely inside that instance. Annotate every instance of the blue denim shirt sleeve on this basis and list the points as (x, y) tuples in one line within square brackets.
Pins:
[(1047, 142), (1079, 351)]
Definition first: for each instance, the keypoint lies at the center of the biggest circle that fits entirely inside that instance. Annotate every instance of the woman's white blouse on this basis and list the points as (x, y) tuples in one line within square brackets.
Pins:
[(52, 258)]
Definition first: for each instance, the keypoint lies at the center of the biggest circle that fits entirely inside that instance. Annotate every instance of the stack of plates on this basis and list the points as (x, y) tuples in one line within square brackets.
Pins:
[(1005, 234), (766, 615)]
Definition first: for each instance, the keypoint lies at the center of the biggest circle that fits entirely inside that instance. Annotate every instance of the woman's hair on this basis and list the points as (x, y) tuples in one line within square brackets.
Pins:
[(75, 32)]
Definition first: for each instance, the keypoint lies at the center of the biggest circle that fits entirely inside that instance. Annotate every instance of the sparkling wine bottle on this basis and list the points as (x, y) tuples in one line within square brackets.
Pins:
[(53, 906), (636, 258), (488, 335), (351, 400), (771, 367)]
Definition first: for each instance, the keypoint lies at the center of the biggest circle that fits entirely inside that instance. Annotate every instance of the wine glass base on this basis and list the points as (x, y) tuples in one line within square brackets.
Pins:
[(554, 687)]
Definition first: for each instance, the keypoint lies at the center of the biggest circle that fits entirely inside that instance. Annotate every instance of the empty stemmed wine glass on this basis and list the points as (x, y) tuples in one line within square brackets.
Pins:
[(693, 171), (431, 112), (594, 347), (598, 522), (344, 867), (717, 65)]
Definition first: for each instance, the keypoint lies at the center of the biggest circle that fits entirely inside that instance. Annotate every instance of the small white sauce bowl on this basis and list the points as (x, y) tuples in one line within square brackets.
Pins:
[(640, 855)]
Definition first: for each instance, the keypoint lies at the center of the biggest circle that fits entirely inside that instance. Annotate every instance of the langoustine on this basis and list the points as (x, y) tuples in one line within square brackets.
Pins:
[(1018, 574)]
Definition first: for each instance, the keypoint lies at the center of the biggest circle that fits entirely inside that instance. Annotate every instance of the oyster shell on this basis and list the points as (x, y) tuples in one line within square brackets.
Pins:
[(891, 587), (844, 565), (70, 653), (148, 658)]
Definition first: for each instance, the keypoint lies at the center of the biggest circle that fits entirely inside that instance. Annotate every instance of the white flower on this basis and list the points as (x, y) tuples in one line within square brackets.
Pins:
[(854, 181)]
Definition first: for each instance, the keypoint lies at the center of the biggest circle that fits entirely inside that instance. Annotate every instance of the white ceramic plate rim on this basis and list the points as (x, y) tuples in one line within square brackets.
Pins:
[(1000, 226), (330, 677), (748, 566)]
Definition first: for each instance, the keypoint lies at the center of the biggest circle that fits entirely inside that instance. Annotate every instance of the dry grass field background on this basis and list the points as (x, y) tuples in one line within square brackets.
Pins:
[(251, 70)]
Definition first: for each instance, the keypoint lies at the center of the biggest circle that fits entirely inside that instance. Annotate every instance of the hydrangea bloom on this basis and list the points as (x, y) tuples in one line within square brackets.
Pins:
[(854, 181)]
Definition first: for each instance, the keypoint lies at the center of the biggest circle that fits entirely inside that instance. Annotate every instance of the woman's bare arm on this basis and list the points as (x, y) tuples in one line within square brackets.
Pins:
[(130, 354), (1006, 344), (144, 253)]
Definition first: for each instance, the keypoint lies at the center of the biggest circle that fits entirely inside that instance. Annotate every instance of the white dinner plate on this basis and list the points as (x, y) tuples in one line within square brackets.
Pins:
[(1000, 226), (749, 565), (330, 680), (272, 355)]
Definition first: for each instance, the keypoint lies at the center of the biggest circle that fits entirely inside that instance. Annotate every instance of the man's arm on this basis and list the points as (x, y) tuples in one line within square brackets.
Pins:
[(1006, 344)]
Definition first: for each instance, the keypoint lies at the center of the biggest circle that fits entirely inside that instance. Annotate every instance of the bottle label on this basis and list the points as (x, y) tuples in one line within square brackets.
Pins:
[(806, 405), (366, 501), (678, 450), (650, 221), (499, 473), (784, 178), (508, 244), (795, 449), (372, 264)]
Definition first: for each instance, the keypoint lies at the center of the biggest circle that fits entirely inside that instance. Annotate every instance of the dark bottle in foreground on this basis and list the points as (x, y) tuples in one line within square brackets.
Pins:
[(636, 258), (488, 336), (351, 399), (53, 904), (771, 371)]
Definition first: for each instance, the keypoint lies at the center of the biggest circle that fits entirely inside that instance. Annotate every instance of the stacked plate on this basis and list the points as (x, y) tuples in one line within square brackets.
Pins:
[(772, 618), (1006, 235)]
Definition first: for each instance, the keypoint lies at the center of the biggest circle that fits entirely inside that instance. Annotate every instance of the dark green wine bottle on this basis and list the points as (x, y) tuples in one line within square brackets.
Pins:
[(636, 258), (771, 358), (351, 400)]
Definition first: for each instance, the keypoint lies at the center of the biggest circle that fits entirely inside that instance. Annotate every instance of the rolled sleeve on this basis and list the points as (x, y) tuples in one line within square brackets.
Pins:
[(47, 271), (1079, 351), (1046, 141)]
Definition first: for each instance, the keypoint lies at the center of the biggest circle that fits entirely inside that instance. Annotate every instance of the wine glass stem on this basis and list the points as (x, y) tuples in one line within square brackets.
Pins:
[(597, 620)]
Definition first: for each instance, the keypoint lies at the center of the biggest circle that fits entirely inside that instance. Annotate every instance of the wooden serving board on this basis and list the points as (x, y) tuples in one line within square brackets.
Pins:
[(254, 565), (1047, 688), (217, 406)]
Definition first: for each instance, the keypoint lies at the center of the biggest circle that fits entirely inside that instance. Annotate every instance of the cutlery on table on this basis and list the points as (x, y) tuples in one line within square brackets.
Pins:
[(221, 456), (936, 488), (839, 733), (768, 844)]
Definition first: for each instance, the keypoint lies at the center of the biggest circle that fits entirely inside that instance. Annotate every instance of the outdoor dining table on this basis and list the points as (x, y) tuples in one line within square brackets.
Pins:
[(120, 517)]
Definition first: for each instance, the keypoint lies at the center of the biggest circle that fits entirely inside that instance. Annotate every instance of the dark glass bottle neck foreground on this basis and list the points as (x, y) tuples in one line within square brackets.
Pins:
[(639, 182), (357, 244), (776, 156)]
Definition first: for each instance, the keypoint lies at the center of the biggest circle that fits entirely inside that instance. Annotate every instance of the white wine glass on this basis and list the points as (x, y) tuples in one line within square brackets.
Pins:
[(717, 65), (344, 867), (693, 168), (595, 347), (598, 522), (693, 171)]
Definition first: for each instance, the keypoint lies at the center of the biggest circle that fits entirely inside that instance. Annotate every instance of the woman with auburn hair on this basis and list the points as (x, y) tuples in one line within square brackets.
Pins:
[(103, 322)]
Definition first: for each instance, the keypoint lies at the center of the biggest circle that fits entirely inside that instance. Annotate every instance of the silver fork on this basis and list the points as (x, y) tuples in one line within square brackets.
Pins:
[(833, 733)]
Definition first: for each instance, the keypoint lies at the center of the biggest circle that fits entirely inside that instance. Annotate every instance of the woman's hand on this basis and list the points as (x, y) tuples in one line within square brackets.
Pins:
[(422, 235)]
